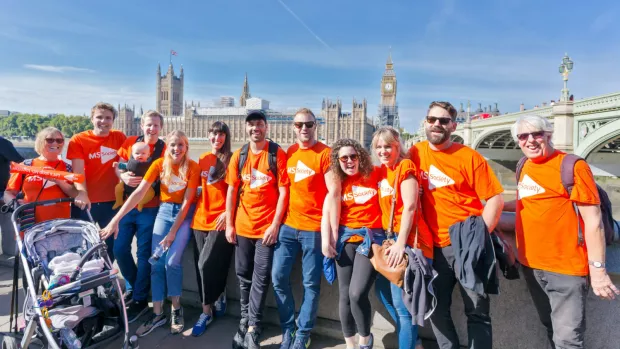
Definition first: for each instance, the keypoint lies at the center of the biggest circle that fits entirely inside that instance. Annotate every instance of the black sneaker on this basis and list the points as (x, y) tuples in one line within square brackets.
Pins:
[(251, 339), (136, 309), (239, 338), (128, 298)]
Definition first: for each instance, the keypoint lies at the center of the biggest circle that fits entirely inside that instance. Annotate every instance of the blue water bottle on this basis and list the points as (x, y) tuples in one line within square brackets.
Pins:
[(159, 251)]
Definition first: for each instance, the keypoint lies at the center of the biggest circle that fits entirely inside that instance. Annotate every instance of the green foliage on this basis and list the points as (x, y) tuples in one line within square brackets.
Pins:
[(28, 125)]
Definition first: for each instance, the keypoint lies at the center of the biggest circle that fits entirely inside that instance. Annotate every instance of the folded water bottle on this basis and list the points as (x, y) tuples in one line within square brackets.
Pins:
[(70, 339), (159, 251)]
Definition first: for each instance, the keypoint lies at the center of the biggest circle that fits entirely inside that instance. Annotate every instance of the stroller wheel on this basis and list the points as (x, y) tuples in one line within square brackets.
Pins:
[(10, 343)]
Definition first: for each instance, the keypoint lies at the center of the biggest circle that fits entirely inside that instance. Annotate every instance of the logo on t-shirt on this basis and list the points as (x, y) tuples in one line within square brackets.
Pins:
[(176, 184), (256, 179), (105, 154), (527, 187), (209, 176), (360, 195), (438, 179), (301, 171), (48, 183), (385, 188)]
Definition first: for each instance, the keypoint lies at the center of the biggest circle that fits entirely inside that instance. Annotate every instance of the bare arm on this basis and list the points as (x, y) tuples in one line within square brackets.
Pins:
[(510, 206), (188, 198), (492, 211), (409, 194), (595, 241), (271, 234), (130, 203), (332, 200), (231, 203), (9, 195), (67, 188), (81, 199)]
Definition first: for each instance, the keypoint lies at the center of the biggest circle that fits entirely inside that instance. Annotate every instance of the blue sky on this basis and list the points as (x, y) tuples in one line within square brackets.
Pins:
[(65, 55)]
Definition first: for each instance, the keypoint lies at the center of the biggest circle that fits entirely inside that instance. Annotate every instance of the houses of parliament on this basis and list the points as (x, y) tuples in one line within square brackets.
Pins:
[(333, 122)]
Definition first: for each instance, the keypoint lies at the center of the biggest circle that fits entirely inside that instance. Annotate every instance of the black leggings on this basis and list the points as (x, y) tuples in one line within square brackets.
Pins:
[(212, 256), (355, 278)]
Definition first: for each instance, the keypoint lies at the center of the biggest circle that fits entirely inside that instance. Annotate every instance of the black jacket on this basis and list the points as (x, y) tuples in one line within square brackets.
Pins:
[(418, 293), (474, 256)]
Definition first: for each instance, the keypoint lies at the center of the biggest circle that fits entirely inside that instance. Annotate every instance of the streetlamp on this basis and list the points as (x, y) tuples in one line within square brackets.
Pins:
[(565, 68)]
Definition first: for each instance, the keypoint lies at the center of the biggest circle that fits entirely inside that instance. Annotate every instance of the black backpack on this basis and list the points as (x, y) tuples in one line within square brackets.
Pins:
[(273, 163), (157, 152), (567, 173)]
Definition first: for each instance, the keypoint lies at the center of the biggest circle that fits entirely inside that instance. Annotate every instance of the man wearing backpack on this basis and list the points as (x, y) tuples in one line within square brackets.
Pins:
[(256, 179), (138, 224), (560, 232)]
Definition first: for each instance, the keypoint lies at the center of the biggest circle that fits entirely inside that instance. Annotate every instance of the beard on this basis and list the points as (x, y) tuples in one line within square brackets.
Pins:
[(437, 139)]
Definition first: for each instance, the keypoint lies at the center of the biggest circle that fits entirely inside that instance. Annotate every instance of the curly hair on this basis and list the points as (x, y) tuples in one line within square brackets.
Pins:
[(365, 163)]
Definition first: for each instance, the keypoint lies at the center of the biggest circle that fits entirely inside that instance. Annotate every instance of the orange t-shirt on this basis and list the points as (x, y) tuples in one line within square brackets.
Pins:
[(387, 176), (32, 186), (306, 170), (212, 201), (453, 183), (259, 192), (546, 224), (359, 203), (125, 152), (98, 154), (174, 191)]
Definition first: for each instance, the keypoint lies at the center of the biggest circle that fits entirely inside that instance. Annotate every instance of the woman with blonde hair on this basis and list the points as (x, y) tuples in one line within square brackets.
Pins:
[(179, 177), (397, 177), (49, 145), (359, 226)]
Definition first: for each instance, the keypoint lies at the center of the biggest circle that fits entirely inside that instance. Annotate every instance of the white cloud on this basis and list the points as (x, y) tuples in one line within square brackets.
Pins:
[(57, 69), (603, 21)]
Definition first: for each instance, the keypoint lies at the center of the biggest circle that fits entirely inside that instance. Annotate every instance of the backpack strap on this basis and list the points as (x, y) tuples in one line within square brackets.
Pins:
[(243, 157), (567, 174), (273, 160), (159, 149), (520, 165)]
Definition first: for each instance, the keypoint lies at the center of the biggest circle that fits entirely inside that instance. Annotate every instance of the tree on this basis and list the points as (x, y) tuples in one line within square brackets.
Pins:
[(28, 125)]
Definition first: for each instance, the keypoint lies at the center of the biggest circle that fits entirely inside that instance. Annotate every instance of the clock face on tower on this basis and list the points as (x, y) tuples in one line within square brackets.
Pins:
[(388, 86)]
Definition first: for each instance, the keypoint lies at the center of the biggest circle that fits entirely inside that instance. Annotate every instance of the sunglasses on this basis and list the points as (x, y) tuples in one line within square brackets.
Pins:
[(346, 158), (54, 140), (309, 124), (526, 136), (442, 121)]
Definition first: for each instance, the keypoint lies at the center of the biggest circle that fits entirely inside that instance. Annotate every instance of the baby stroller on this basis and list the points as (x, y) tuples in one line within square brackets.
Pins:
[(73, 297)]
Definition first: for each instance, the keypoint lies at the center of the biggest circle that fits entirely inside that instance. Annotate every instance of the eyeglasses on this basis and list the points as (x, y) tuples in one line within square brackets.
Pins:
[(309, 124), (442, 121), (526, 136), (54, 140), (345, 158)]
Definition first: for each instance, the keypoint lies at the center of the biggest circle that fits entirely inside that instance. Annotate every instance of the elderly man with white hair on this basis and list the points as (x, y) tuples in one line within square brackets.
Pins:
[(557, 260)]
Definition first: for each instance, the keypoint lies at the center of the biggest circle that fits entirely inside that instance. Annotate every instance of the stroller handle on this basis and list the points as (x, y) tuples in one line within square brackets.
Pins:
[(34, 204)]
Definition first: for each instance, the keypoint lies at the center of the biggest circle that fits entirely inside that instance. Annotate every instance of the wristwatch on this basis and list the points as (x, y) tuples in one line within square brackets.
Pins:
[(597, 264)]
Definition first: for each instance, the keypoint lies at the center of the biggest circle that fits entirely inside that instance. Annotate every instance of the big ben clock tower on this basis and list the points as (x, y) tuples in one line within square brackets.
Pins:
[(388, 110)]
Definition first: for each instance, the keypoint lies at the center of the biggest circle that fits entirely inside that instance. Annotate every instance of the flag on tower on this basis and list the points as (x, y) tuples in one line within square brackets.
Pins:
[(173, 52)]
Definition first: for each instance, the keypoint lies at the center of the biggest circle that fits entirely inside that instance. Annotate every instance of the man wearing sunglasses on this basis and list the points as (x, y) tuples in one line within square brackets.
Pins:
[(311, 183), (556, 260), (454, 179)]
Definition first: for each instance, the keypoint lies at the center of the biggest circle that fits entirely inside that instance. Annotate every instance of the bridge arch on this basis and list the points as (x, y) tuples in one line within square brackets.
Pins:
[(498, 138), (457, 139), (599, 139)]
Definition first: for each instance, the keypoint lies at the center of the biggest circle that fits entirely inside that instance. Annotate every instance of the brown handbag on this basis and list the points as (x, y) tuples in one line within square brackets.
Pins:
[(395, 275)]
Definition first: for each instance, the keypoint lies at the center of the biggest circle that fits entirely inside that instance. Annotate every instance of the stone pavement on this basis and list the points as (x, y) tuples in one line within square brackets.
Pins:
[(218, 336)]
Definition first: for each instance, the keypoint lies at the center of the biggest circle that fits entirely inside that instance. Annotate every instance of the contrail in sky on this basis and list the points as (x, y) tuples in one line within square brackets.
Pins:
[(304, 24)]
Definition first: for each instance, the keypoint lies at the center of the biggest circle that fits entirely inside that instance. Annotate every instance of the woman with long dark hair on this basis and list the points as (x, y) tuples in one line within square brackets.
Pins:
[(360, 215), (213, 253)]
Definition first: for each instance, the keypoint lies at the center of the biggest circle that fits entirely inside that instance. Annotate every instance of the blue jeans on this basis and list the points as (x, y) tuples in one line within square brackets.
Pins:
[(392, 298), (102, 213), (168, 271), (290, 242), (140, 224)]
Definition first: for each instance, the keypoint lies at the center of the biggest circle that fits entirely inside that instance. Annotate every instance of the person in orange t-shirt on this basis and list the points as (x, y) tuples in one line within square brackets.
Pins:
[(556, 266), (138, 223), (92, 154), (253, 221), (213, 253), (311, 183), (360, 214), (48, 144), (179, 177), (397, 178), (454, 179)]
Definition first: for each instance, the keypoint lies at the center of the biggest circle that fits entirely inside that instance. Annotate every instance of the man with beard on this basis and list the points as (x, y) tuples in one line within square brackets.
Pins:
[(311, 182), (454, 179), (253, 222)]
